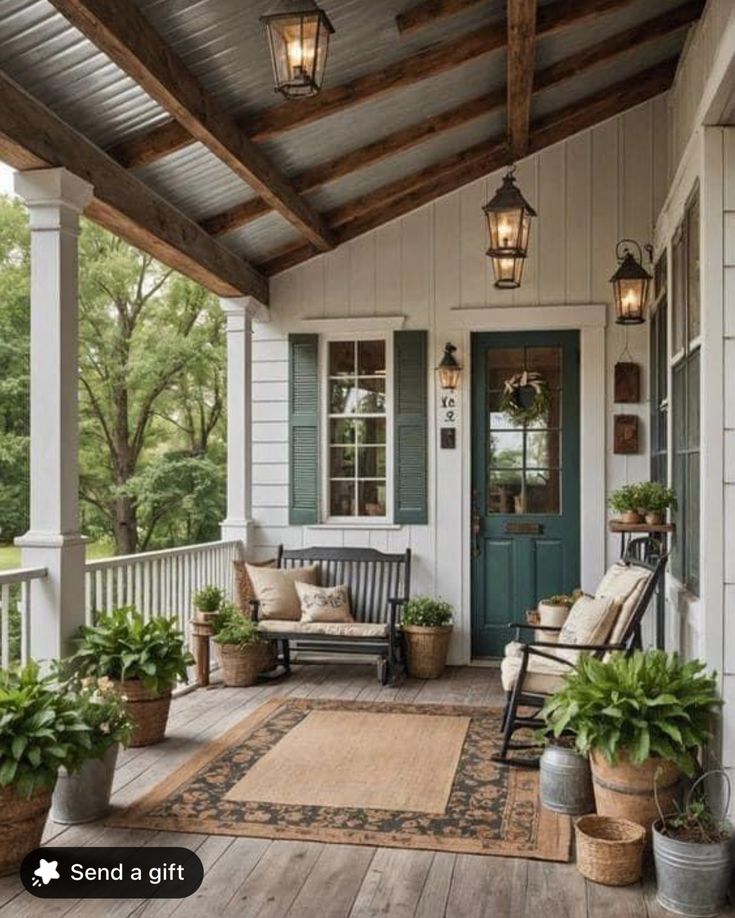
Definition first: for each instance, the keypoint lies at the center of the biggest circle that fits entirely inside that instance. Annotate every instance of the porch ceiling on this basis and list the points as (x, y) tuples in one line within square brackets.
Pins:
[(412, 108)]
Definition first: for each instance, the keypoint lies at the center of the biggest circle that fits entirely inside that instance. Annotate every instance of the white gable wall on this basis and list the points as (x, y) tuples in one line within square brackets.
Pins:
[(590, 191)]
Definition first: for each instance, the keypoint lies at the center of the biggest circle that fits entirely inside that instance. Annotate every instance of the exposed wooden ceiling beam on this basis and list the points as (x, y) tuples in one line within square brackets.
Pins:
[(32, 137), (430, 12), (168, 138), (387, 203), (521, 16), (122, 32), (605, 51)]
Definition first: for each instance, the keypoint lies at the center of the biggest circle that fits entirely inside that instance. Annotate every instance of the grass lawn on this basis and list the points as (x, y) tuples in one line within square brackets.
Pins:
[(10, 555)]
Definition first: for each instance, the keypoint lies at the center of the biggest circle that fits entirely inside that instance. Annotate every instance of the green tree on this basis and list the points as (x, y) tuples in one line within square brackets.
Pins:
[(14, 368), (152, 357)]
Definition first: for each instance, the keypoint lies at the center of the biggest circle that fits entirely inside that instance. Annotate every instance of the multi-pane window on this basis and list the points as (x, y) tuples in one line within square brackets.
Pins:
[(659, 375), (685, 397), (358, 425)]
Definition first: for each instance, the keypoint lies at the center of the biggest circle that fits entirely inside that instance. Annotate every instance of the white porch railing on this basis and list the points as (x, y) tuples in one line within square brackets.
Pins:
[(160, 582), (15, 613)]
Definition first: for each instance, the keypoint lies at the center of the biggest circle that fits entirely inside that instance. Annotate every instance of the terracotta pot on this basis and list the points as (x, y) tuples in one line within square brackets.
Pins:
[(21, 825), (241, 666), (426, 649), (632, 516), (148, 711), (207, 617), (626, 791), (654, 517)]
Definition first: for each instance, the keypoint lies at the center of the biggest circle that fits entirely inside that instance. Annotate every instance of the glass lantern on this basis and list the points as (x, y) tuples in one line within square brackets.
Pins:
[(298, 36), (631, 283), (508, 216)]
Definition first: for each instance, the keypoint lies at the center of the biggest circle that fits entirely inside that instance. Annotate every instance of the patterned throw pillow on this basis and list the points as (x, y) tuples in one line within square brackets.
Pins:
[(589, 622), (324, 604), (276, 592)]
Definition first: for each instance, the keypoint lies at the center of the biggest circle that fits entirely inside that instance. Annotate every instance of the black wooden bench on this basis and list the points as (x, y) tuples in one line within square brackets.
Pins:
[(379, 585)]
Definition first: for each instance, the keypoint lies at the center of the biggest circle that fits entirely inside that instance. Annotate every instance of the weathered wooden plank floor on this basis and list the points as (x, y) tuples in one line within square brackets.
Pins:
[(257, 878)]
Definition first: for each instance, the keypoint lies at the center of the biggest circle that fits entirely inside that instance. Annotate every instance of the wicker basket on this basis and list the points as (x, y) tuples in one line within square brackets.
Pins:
[(148, 711), (609, 850), (427, 650), (21, 825), (240, 665)]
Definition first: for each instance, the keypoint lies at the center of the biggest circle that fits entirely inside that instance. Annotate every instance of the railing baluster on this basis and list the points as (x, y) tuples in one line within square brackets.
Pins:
[(5, 625)]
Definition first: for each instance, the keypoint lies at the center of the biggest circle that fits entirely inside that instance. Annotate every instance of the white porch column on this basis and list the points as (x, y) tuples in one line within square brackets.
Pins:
[(55, 198), (239, 416)]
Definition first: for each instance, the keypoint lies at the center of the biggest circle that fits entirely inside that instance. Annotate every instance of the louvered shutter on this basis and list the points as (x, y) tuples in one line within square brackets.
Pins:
[(303, 389), (410, 434)]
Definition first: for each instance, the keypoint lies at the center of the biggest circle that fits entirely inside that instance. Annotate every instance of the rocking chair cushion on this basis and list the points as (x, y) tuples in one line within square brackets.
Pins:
[(273, 627), (543, 676)]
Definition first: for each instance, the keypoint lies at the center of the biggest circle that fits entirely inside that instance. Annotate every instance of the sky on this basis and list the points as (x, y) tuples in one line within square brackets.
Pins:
[(6, 179)]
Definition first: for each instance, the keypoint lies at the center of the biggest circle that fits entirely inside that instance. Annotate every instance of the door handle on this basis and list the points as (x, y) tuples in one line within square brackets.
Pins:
[(476, 527)]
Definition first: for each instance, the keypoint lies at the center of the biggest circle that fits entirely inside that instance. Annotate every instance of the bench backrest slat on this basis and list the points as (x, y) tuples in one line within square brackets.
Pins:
[(373, 576)]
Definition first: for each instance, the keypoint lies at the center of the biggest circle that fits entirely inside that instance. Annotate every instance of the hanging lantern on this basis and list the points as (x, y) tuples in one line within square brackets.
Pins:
[(630, 283), (449, 370), (509, 224), (298, 35)]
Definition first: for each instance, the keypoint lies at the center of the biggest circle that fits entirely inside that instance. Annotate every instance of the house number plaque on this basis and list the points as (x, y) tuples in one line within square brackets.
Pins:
[(448, 418)]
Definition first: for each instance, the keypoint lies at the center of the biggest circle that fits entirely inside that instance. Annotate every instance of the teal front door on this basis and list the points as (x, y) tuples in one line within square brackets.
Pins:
[(525, 479)]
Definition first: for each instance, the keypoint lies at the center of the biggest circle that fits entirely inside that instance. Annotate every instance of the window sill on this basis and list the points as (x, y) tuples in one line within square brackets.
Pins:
[(365, 525)]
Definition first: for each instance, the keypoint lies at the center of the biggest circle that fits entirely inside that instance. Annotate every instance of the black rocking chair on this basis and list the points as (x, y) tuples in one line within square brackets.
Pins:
[(643, 552)]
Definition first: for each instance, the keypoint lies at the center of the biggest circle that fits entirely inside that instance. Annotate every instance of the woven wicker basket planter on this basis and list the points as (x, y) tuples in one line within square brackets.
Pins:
[(240, 665), (426, 649), (626, 791), (610, 851), (148, 711), (21, 825), (269, 656)]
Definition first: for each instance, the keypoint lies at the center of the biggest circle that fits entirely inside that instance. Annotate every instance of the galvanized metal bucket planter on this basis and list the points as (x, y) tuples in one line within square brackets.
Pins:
[(84, 795), (565, 781), (692, 877)]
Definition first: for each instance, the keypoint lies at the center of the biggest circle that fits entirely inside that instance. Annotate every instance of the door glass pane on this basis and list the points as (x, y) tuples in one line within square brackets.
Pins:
[(524, 460), (506, 450), (543, 491)]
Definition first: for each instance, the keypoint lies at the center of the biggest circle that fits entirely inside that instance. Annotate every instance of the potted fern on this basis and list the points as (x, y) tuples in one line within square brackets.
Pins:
[(42, 728), (427, 629), (144, 659), (639, 717), (239, 647)]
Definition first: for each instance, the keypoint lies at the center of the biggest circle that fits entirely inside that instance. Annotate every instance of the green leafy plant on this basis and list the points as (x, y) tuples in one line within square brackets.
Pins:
[(564, 599), (122, 645), (42, 727), (103, 710), (625, 499), (231, 627), (647, 704), (209, 599), (654, 497), (427, 612)]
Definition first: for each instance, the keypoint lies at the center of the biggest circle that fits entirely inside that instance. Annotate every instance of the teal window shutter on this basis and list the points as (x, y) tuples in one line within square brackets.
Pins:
[(303, 423), (410, 427)]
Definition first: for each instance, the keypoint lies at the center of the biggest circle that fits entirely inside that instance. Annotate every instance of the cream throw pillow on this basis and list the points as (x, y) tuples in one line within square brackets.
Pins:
[(324, 604), (275, 590), (625, 584), (590, 621)]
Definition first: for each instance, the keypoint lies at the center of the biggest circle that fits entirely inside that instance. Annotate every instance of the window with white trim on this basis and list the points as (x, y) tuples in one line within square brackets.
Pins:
[(358, 408)]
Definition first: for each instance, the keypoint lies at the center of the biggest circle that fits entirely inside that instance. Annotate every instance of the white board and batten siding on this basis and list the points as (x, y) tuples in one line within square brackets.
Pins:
[(430, 268)]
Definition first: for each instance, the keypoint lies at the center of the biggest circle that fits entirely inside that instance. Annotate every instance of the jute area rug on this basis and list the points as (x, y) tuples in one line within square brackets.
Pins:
[(360, 773)]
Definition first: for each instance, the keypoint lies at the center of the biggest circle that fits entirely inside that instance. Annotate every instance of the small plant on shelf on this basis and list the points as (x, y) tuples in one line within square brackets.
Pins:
[(626, 502), (654, 500), (208, 601)]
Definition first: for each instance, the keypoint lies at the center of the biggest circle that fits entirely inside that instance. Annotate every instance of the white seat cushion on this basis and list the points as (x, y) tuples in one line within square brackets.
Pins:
[(328, 629), (543, 676)]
